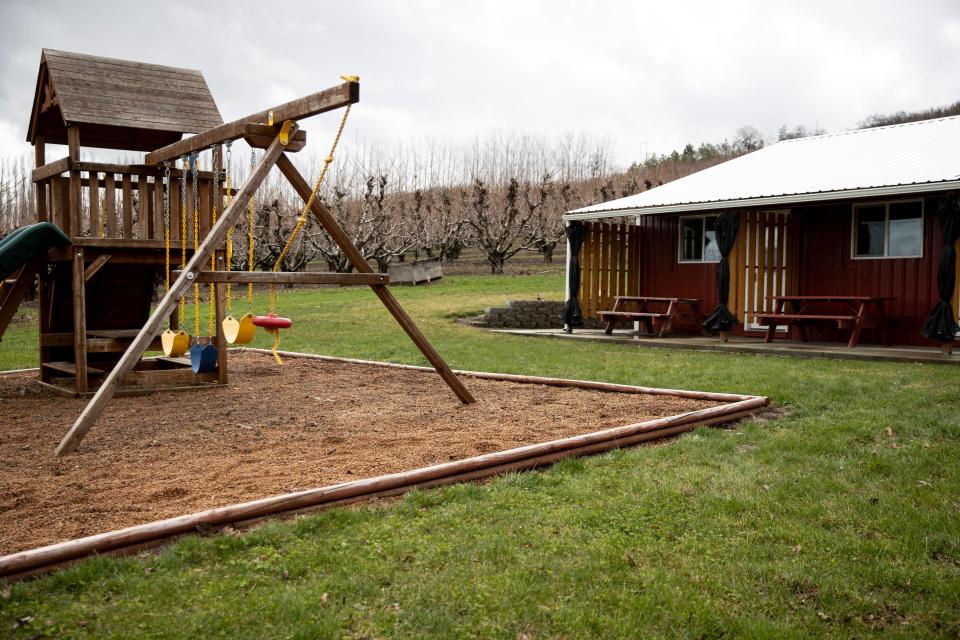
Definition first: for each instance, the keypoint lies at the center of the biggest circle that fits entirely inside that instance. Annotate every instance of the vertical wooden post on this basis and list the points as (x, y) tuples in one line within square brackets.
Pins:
[(94, 190), (79, 323), (145, 208), (40, 188), (329, 223), (127, 216), (220, 340), (73, 225), (110, 204)]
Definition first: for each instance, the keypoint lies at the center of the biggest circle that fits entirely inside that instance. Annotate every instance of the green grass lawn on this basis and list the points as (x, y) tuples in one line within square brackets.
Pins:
[(839, 519)]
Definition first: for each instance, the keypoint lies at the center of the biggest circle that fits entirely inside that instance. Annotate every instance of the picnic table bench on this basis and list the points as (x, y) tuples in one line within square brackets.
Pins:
[(648, 309), (857, 312)]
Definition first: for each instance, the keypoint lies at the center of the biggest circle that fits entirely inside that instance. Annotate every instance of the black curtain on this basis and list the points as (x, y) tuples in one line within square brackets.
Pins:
[(940, 324), (572, 314), (721, 319)]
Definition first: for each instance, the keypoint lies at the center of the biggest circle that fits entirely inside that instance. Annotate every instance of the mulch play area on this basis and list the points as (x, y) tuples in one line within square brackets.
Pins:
[(269, 432)]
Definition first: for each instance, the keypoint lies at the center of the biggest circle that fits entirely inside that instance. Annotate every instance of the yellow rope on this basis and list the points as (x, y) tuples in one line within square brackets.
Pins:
[(250, 221), (302, 220), (229, 236)]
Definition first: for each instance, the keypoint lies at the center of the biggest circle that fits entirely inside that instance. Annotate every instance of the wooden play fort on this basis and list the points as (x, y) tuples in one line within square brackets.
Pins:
[(107, 235)]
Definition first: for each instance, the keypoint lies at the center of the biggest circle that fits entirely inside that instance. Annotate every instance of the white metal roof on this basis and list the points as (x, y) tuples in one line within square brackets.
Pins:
[(879, 162)]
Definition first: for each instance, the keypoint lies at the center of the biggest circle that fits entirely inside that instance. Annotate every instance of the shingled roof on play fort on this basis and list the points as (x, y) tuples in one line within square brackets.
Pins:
[(118, 104)]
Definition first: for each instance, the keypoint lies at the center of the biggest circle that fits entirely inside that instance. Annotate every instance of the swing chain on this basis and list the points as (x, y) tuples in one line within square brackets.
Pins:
[(183, 231), (166, 220), (194, 161), (216, 197)]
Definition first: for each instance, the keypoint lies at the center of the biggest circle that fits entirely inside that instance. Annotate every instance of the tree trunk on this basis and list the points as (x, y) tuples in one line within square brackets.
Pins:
[(547, 250), (496, 260)]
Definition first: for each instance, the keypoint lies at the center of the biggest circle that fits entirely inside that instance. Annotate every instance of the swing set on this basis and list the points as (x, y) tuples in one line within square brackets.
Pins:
[(276, 131)]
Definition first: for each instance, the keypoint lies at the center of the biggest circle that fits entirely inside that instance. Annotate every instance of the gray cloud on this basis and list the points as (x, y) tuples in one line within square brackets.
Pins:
[(631, 72)]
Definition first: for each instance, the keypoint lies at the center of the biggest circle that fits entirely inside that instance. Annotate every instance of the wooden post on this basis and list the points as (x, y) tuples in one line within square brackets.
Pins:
[(220, 340), (40, 188), (329, 223), (199, 262), (79, 323), (110, 205), (94, 190), (127, 215), (73, 225)]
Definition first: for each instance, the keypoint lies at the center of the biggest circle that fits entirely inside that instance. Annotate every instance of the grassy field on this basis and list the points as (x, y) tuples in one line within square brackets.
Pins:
[(841, 518)]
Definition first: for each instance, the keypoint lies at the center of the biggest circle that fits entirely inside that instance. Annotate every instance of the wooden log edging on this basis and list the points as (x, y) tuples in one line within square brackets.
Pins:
[(138, 537), (522, 379)]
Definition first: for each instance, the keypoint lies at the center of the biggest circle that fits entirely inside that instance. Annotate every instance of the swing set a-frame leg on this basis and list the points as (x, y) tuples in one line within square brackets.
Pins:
[(332, 227), (199, 262)]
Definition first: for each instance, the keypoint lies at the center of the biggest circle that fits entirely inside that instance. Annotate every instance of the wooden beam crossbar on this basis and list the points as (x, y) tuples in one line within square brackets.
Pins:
[(320, 102), (299, 278)]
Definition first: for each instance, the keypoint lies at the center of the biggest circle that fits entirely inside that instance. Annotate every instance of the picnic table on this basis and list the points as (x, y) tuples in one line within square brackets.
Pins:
[(649, 310), (803, 310)]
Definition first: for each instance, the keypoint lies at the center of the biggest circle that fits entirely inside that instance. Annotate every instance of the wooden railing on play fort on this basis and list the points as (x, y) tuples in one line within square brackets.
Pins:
[(111, 202)]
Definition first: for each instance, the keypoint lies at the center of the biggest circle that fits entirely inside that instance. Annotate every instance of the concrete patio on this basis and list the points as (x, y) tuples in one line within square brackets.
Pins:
[(779, 347)]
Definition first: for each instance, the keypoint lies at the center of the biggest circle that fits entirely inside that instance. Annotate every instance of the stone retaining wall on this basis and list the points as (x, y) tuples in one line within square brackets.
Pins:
[(526, 314)]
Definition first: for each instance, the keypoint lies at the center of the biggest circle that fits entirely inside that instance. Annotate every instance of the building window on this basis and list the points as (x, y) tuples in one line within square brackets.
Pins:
[(698, 239), (888, 230)]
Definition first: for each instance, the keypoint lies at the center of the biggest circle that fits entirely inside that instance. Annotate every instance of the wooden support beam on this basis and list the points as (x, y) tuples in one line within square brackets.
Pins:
[(168, 303), (79, 322), (320, 102), (134, 169), (326, 219), (95, 266), (282, 277), (50, 170), (261, 135), (220, 340), (40, 159), (73, 225)]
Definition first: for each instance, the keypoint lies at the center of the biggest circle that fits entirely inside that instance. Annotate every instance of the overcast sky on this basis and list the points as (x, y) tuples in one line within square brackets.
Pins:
[(659, 74)]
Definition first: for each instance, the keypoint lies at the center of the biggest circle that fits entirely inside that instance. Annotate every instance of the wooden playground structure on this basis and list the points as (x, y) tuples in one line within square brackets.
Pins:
[(95, 295)]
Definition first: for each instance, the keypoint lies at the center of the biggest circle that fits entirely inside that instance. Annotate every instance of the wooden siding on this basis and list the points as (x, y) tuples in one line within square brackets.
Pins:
[(607, 261), (765, 260), (827, 267)]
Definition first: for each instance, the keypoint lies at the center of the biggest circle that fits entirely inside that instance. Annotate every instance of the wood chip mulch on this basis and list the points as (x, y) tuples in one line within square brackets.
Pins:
[(314, 423)]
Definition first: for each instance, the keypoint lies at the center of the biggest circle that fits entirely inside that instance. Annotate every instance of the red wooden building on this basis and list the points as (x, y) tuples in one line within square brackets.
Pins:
[(853, 213)]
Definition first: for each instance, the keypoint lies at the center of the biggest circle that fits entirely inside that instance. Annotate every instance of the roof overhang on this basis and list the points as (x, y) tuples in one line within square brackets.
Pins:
[(771, 201)]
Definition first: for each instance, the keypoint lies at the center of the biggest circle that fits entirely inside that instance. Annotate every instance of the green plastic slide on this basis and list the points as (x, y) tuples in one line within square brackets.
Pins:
[(26, 243)]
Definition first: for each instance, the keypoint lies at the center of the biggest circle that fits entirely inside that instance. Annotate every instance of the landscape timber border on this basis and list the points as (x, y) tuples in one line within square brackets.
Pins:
[(144, 536)]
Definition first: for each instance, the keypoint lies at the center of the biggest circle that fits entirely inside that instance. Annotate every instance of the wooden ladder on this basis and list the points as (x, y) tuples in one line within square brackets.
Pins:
[(14, 290)]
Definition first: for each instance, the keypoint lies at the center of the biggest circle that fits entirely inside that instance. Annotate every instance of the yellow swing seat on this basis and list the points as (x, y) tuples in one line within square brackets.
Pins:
[(239, 331), (175, 343)]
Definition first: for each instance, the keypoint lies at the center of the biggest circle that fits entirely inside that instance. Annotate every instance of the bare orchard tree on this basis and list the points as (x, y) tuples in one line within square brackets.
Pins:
[(381, 231), (436, 224), (546, 217), (17, 201), (501, 227), (336, 201)]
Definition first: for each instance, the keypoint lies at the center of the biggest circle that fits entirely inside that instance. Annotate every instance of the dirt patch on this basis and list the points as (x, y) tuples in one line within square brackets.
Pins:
[(269, 432)]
